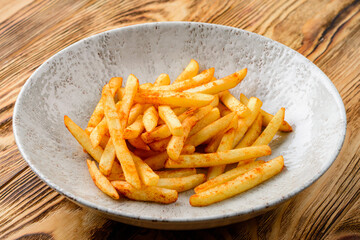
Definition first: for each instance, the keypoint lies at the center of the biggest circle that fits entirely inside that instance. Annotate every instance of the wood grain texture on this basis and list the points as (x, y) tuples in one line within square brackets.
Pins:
[(327, 32)]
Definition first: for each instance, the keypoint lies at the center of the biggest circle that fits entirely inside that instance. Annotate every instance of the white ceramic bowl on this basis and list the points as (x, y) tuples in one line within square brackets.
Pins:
[(70, 83)]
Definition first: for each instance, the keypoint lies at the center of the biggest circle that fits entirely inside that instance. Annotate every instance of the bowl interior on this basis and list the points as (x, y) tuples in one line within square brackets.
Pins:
[(70, 84)]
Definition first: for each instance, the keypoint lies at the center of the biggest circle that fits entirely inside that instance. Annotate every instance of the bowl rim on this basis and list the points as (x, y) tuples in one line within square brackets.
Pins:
[(331, 88)]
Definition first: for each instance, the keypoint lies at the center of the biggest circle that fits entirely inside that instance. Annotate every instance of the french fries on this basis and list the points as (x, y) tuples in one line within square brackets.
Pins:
[(238, 185), (150, 118), (164, 124)]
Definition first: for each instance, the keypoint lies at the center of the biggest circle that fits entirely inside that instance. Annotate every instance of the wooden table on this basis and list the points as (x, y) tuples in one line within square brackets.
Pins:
[(326, 32)]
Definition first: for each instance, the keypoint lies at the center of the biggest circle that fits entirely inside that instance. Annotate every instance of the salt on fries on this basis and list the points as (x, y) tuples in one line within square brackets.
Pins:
[(137, 132)]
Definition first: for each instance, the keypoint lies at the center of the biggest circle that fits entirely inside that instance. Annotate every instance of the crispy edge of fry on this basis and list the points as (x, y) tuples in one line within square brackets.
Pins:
[(107, 158), (269, 132), (162, 80), (229, 175), (252, 133), (122, 152), (146, 174), (285, 126), (146, 193), (239, 184), (135, 129), (211, 117), (83, 138), (234, 104), (171, 120), (220, 85), (138, 143), (202, 78), (210, 130), (101, 181), (150, 118), (190, 71), (131, 88), (218, 158), (181, 184), (226, 143), (182, 172)]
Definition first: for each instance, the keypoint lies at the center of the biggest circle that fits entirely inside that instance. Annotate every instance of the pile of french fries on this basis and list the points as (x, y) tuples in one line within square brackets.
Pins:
[(152, 141)]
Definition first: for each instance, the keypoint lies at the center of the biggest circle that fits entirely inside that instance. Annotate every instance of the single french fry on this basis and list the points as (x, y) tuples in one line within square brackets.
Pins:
[(131, 88), (176, 143), (252, 133), (98, 114), (210, 130), (202, 78), (83, 138), (138, 143), (147, 175), (107, 158), (213, 115), (171, 120), (220, 85), (238, 185), (122, 152), (177, 110), (146, 193), (218, 158), (225, 144), (229, 175), (163, 131), (285, 126), (188, 149), (101, 181), (234, 105), (162, 80), (135, 111), (135, 129), (174, 99), (243, 124), (160, 145), (150, 118), (269, 132), (183, 172), (181, 184), (216, 101), (190, 71)]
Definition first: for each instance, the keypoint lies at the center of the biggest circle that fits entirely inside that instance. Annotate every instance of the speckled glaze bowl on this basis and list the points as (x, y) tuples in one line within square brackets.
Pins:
[(71, 81)]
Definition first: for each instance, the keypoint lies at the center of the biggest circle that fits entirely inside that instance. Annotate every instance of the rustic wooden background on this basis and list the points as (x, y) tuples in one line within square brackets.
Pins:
[(326, 32)]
